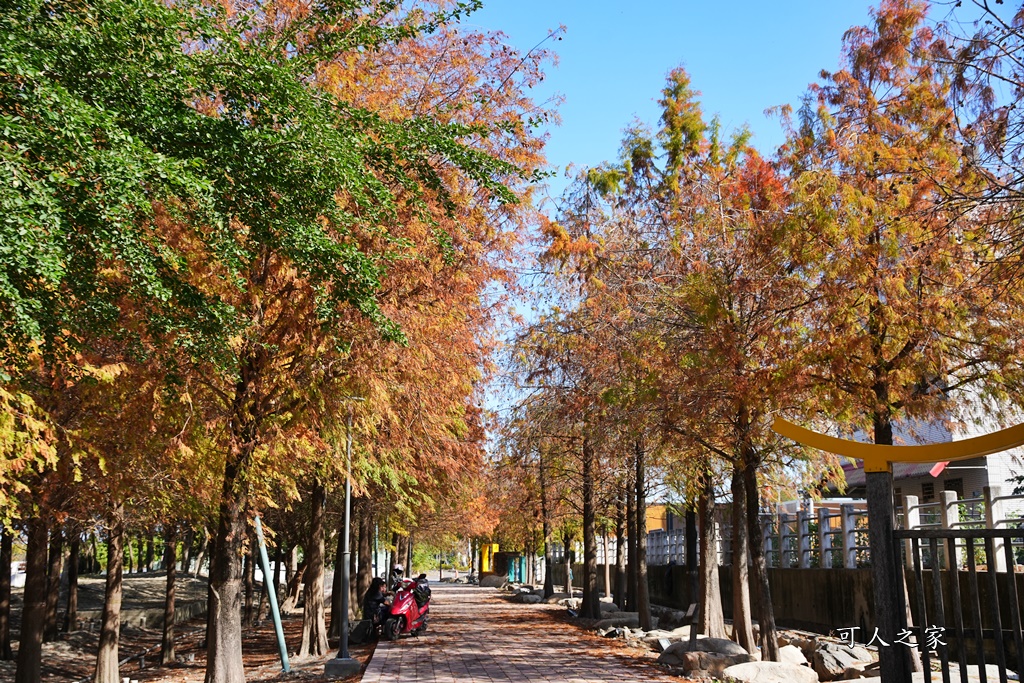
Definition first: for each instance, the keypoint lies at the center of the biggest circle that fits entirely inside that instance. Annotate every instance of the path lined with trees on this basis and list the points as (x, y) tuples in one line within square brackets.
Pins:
[(476, 634), (222, 223)]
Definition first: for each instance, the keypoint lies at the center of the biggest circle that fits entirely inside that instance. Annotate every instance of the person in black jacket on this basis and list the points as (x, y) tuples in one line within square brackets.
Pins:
[(374, 601)]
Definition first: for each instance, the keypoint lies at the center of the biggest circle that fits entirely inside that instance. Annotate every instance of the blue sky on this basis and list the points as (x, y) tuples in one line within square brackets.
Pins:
[(743, 55)]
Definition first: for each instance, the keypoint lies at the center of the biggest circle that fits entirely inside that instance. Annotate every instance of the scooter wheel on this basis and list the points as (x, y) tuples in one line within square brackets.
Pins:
[(392, 627)]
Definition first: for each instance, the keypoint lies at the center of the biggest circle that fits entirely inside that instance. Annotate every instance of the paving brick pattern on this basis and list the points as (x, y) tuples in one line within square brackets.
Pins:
[(475, 635)]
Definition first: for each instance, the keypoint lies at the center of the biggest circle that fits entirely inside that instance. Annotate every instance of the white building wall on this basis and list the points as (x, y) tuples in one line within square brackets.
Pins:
[(977, 418)]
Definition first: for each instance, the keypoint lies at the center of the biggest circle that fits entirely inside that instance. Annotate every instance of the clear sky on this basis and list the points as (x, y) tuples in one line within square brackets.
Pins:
[(743, 55)]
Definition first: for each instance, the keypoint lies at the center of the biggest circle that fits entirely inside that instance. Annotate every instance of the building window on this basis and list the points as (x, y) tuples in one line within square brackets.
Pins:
[(927, 492), (955, 485)]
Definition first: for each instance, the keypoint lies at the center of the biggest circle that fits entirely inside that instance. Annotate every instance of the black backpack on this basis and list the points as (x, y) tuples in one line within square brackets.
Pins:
[(361, 633)]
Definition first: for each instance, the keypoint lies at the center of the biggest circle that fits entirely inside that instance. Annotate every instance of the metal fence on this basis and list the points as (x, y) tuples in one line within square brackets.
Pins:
[(835, 536), (983, 606)]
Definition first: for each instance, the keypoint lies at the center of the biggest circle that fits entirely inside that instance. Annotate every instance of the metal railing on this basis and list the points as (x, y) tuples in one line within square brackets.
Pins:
[(835, 536), (980, 610)]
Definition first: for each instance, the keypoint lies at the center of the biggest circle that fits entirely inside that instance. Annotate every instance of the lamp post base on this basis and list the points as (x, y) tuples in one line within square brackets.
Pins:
[(341, 668)]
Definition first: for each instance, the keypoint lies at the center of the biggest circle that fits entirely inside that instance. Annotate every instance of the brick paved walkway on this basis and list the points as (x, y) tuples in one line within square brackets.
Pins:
[(475, 635)]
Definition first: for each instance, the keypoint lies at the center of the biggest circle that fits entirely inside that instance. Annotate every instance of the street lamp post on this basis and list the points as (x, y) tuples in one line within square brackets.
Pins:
[(343, 665)]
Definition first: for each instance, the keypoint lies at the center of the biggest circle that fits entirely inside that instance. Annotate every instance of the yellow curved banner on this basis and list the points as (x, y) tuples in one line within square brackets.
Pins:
[(877, 457)]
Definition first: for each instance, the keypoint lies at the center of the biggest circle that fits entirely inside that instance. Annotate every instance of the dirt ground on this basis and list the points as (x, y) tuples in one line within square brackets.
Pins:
[(73, 657)]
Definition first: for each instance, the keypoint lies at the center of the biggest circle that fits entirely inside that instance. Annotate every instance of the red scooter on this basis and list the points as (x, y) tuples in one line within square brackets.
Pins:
[(409, 609)]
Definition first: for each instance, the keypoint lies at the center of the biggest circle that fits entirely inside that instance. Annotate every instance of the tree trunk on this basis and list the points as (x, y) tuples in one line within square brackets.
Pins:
[(33, 618), (140, 562), (643, 597), (692, 563), (766, 614), (401, 550), (549, 579), (54, 567), (248, 569), (167, 655), (224, 636), (408, 562), (204, 545), (591, 606), (711, 620), (881, 522), (107, 656), (71, 615), (129, 558), (314, 626), (186, 548), (88, 560), (290, 566), (294, 587), (566, 540), (6, 557), (620, 551), (631, 563), (366, 524), (150, 551), (743, 631)]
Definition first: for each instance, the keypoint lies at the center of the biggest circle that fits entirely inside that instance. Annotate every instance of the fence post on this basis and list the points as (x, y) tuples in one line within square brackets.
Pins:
[(803, 538), (994, 516), (824, 538), (950, 516), (718, 543), (848, 525), (786, 549), (911, 520)]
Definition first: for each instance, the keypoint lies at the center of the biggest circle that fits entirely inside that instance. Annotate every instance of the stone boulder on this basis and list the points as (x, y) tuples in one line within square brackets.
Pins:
[(609, 607), (791, 654), (713, 663), (832, 660), (555, 598), (719, 646), (493, 581), (653, 638), (669, 615), (861, 653), (527, 598), (806, 645), (770, 672)]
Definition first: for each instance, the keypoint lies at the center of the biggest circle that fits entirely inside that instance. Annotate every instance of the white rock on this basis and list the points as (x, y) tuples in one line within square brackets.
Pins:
[(771, 672), (791, 654)]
